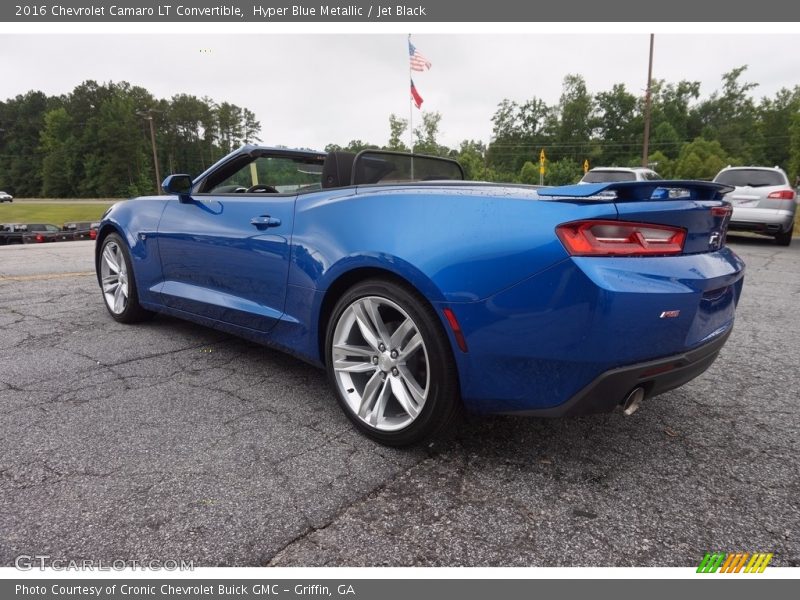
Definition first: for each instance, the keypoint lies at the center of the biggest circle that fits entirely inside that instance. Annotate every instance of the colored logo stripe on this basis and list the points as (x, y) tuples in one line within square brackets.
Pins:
[(711, 562), (758, 563), (734, 562)]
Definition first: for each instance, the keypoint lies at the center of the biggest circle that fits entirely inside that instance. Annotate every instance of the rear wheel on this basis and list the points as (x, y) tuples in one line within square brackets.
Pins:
[(118, 283), (784, 238), (390, 364)]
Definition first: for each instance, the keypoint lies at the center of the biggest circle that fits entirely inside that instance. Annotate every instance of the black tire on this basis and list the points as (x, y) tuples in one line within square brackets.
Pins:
[(442, 404), (784, 238), (132, 311)]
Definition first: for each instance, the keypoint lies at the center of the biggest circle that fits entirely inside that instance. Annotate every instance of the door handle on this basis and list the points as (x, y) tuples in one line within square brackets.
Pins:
[(264, 221)]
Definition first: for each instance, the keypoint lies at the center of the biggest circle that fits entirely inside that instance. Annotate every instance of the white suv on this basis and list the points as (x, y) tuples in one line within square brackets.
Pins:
[(614, 174), (763, 201)]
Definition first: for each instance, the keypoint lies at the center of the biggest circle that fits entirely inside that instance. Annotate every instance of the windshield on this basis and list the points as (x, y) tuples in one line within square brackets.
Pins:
[(608, 176), (751, 177), (279, 174)]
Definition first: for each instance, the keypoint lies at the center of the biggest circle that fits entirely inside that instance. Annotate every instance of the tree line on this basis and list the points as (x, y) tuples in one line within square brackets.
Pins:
[(95, 141), (691, 138)]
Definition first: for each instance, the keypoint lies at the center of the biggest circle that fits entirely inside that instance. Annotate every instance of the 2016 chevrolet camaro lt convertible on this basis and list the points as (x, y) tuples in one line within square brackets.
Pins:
[(422, 293)]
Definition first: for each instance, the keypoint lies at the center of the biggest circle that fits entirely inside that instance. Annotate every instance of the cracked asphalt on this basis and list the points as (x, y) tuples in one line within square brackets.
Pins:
[(172, 441)]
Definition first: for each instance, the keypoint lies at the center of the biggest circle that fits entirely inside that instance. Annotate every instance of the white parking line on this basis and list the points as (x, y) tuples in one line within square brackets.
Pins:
[(44, 276)]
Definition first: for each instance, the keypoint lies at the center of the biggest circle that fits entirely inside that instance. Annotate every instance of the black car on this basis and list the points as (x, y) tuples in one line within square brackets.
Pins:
[(81, 230)]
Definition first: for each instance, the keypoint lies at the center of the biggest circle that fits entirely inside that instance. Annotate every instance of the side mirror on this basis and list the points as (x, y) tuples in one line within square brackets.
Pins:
[(178, 185)]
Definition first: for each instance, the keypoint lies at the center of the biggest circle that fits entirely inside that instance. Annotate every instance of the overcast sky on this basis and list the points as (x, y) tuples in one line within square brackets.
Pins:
[(312, 89)]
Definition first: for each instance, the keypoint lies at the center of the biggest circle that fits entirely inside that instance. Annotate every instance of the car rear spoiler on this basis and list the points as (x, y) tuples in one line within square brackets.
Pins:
[(641, 190)]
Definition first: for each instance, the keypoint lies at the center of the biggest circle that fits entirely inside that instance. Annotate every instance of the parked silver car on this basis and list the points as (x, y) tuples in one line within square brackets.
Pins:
[(763, 201), (6, 197)]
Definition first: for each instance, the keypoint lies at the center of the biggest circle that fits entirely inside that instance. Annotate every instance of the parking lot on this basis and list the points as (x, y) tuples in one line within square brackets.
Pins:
[(172, 441)]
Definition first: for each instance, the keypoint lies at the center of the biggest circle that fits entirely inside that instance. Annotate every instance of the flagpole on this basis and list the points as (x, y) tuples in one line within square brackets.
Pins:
[(410, 114)]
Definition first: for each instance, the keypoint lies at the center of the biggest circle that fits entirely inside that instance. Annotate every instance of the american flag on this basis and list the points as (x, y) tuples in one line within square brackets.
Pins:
[(418, 62)]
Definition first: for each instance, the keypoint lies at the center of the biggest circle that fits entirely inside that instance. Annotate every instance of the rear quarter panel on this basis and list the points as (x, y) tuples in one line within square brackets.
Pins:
[(458, 244), (455, 244)]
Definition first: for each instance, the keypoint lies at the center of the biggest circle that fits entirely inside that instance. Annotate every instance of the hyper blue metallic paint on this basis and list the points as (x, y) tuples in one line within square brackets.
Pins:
[(540, 325)]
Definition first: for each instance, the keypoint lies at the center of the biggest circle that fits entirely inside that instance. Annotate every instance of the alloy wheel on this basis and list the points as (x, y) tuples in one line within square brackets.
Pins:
[(114, 277), (380, 363)]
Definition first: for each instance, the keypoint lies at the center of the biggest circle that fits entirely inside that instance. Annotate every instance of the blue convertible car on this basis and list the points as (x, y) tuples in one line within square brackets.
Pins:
[(421, 293)]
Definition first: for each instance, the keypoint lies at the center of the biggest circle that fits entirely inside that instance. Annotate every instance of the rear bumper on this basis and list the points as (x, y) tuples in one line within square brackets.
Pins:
[(608, 390), (580, 335), (761, 220)]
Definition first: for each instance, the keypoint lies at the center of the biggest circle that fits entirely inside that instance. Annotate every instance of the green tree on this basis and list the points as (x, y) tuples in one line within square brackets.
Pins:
[(472, 157), (426, 135), (354, 146), (701, 159), (118, 167), (229, 124), (666, 139), (180, 124), (251, 127), (673, 116), (529, 173), (58, 147), (776, 117), (794, 147), (519, 131), (575, 120), (22, 119), (731, 117), (563, 172), (619, 125), (663, 164), (397, 128)]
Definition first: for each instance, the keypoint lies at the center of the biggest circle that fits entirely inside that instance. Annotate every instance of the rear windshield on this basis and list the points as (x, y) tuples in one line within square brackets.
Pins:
[(751, 177), (608, 176), (374, 166)]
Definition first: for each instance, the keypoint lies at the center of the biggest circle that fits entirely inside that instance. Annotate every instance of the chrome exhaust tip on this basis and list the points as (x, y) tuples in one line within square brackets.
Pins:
[(633, 401)]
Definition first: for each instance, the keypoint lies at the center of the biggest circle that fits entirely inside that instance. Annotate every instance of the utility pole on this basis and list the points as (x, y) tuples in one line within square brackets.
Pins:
[(149, 117), (647, 102)]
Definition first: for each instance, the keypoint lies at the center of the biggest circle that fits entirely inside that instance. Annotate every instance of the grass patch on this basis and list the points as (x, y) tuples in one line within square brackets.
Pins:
[(57, 214)]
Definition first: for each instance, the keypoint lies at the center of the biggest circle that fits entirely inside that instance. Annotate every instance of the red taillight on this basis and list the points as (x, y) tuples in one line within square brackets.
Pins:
[(39, 238), (93, 234), (721, 211), (782, 195), (620, 238)]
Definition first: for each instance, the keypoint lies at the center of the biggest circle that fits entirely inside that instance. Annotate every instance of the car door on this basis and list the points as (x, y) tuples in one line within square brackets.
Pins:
[(225, 246), (226, 256)]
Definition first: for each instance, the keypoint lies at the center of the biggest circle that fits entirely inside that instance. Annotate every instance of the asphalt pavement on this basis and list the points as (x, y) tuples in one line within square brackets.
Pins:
[(168, 440)]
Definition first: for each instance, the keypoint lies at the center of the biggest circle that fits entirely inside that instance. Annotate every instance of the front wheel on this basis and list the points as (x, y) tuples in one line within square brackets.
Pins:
[(117, 282), (390, 364)]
